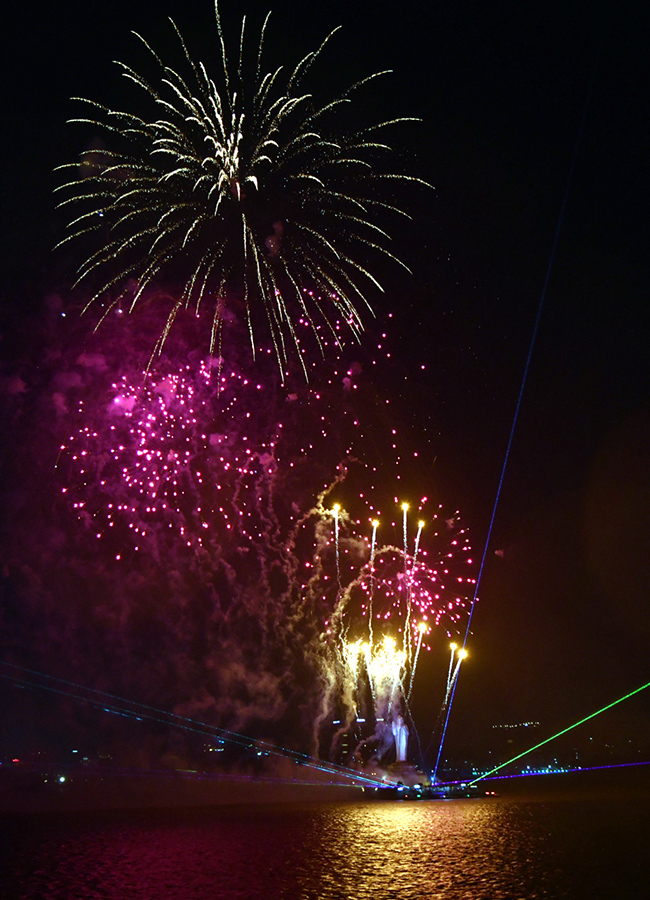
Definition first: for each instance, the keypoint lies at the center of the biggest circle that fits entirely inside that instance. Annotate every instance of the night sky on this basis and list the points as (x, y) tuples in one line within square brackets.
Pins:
[(513, 97)]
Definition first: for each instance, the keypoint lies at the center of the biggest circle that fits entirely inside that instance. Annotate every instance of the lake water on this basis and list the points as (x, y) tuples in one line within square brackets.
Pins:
[(489, 849)]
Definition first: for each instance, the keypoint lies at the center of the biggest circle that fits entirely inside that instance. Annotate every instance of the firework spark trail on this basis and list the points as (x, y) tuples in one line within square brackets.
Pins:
[(409, 588), (308, 545), (373, 544), (451, 681), (367, 658), (453, 648), (407, 583), (452, 677), (450, 685), (250, 189), (421, 630), (417, 541), (335, 511)]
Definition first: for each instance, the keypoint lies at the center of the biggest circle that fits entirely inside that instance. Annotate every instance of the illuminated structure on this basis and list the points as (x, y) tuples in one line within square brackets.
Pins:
[(401, 735)]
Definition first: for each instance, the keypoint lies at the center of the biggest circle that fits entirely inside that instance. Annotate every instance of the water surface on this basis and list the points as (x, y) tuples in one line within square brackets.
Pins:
[(472, 849)]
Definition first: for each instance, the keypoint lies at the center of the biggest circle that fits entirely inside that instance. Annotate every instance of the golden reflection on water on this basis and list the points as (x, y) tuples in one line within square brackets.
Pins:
[(415, 850)]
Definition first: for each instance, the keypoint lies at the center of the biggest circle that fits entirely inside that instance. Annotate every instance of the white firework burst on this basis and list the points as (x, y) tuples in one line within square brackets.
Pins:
[(240, 193)]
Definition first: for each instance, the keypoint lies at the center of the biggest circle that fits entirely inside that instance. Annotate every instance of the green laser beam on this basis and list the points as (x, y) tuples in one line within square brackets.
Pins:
[(560, 733)]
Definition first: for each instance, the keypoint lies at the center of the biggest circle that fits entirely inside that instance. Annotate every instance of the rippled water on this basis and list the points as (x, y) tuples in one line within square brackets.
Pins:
[(474, 849)]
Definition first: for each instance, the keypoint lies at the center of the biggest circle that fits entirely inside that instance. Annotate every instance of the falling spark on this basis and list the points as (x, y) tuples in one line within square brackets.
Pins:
[(405, 509)]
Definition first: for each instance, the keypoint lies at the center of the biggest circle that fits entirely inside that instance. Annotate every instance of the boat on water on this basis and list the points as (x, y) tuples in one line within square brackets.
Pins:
[(425, 792)]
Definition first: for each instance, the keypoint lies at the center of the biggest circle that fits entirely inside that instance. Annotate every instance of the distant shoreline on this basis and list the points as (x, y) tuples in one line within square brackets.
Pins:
[(31, 791)]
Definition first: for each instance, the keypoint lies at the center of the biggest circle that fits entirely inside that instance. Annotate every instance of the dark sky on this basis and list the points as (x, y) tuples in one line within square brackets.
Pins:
[(504, 90)]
